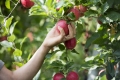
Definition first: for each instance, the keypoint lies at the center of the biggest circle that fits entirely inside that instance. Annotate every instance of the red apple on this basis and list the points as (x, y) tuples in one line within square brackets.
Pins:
[(27, 3), (70, 44), (82, 8), (75, 10), (3, 38), (100, 22), (72, 75), (63, 24), (58, 76)]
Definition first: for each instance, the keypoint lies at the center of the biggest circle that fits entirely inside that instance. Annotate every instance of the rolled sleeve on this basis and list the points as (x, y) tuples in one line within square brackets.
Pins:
[(1, 64)]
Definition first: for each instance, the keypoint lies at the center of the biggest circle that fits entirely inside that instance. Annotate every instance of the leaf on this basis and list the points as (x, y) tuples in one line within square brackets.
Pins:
[(60, 4), (117, 53), (11, 38), (17, 52), (110, 2), (12, 27), (79, 30), (90, 13), (113, 15), (6, 43), (89, 58), (110, 69), (37, 10), (74, 51), (104, 7), (18, 64), (71, 16), (22, 42), (61, 47), (7, 4), (8, 22), (92, 39)]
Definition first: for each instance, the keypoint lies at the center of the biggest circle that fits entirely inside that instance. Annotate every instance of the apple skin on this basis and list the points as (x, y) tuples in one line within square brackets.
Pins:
[(3, 38), (63, 24), (72, 75), (27, 3), (100, 22), (70, 44), (58, 76), (76, 12), (82, 8)]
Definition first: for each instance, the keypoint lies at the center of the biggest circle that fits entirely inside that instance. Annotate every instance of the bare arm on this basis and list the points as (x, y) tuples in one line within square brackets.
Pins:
[(29, 70)]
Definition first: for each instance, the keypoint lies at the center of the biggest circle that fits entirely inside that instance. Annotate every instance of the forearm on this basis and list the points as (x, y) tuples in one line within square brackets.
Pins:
[(29, 70)]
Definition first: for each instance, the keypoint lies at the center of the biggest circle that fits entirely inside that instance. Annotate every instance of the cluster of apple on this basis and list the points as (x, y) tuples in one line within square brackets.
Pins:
[(72, 75), (27, 3), (78, 12)]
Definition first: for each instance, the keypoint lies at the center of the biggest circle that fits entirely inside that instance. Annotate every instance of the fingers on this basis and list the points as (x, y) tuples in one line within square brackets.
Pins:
[(72, 32), (72, 25)]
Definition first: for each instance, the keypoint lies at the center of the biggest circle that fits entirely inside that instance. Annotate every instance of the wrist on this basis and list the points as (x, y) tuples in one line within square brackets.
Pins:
[(45, 47)]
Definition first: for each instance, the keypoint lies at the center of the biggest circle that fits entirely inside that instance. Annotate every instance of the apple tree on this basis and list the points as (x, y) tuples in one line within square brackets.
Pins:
[(24, 25)]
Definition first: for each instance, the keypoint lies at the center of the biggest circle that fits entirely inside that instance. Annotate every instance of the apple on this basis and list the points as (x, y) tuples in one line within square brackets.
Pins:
[(63, 24), (58, 76), (75, 10), (82, 8), (70, 44), (100, 22), (72, 75), (3, 38), (27, 3)]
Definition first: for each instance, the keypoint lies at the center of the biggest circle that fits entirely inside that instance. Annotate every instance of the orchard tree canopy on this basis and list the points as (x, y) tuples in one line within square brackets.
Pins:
[(25, 23)]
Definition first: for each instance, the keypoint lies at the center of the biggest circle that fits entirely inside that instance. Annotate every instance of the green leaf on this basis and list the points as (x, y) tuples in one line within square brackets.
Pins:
[(92, 39), (60, 4), (74, 51), (90, 58), (12, 27), (48, 3), (114, 15), (8, 22), (37, 10), (22, 42), (6, 44), (79, 30), (18, 64), (17, 52), (110, 69), (11, 38), (110, 2), (7, 4), (117, 53), (105, 7), (71, 16), (90, 13), (61, 47)]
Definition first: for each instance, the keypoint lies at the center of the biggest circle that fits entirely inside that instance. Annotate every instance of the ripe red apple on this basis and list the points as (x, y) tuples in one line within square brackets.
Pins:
[(100, 22), (72, 75), (27, 3), (3, 38), (75, 10), (63, 24), (82, 8), (70, 44), (58, 76)]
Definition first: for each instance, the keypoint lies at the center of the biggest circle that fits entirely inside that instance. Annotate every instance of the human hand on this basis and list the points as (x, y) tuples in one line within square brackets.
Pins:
[(54, 37)]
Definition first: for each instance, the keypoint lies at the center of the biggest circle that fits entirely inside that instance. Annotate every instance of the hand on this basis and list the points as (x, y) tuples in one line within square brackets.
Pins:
[(54, 37)]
